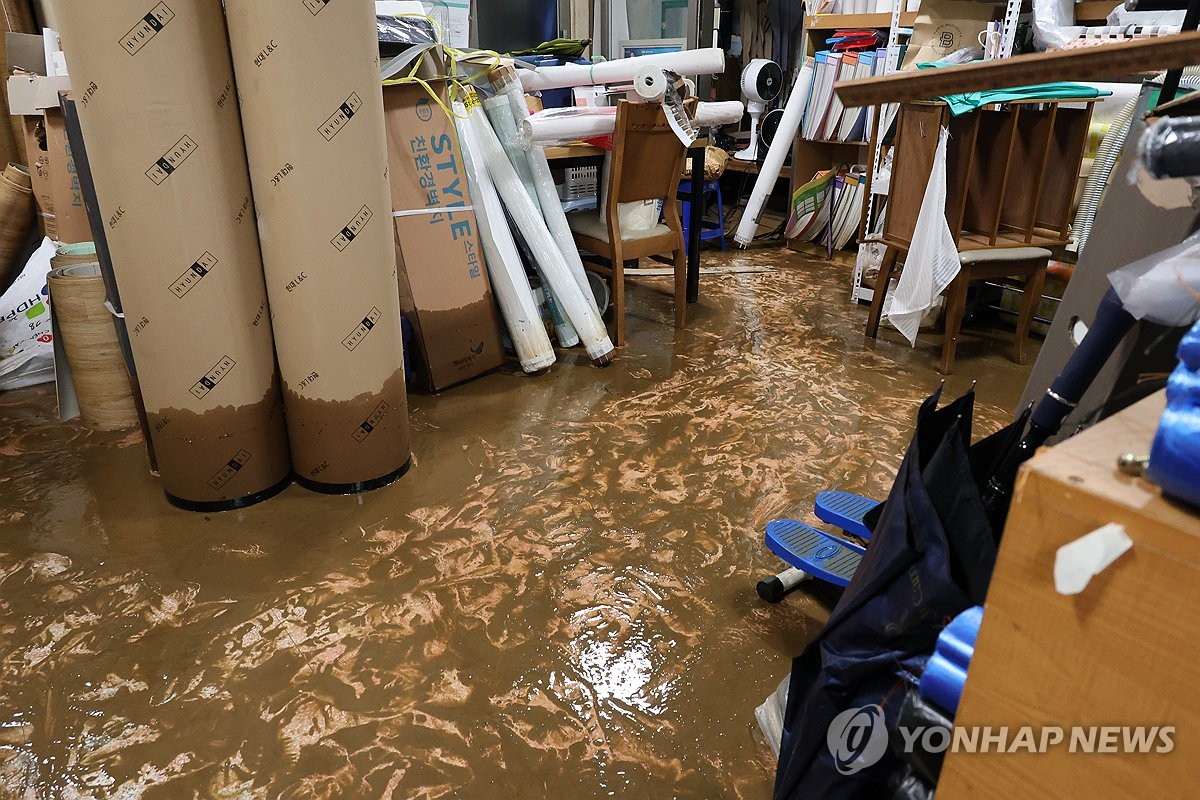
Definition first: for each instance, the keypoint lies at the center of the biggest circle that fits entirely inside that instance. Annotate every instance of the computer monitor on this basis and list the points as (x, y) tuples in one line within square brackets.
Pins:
[(650, 47)]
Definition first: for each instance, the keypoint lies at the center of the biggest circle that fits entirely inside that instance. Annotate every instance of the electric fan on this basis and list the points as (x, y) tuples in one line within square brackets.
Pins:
[(762, 81)]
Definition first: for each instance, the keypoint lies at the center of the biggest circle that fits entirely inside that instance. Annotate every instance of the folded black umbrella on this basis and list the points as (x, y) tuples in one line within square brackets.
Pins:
[(930, 558)]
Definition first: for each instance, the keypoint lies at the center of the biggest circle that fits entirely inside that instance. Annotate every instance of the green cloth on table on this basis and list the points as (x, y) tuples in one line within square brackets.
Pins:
[(971, 101)]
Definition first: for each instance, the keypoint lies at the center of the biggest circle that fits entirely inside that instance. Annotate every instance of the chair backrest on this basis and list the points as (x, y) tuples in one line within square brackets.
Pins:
[(647, 156)]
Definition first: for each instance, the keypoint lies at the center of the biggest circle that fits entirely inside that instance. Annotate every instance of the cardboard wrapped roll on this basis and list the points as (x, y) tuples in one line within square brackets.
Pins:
[(155, 92), (68, 255), (16, 218), (77, 295), (312, 105)]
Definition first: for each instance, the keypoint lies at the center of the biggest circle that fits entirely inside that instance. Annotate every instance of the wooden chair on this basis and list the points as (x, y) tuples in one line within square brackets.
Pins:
[(1026, 263), (646, 165)]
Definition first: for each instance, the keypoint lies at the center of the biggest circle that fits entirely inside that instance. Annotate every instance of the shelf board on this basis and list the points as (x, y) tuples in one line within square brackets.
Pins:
[(829, 22), (834, 141)]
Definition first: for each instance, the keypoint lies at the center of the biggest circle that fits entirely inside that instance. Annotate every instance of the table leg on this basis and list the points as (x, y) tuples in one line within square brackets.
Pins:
[(695, 221)]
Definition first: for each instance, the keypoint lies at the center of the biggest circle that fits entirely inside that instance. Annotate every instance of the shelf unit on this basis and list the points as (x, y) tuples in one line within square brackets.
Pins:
[(830, 22)]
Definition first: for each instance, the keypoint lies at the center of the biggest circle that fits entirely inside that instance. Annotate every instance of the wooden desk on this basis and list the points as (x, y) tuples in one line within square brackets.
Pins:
[(580, 154), (1123, 652)]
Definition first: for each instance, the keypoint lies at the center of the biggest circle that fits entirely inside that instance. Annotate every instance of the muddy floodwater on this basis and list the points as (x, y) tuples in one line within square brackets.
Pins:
[(556, 602)]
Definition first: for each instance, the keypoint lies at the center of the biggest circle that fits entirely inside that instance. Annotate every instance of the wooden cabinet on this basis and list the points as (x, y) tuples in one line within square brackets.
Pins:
[(1011, 171), (1126, 651)]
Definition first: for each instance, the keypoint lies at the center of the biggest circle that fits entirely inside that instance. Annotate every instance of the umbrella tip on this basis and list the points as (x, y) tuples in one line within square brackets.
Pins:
[(974, 384)]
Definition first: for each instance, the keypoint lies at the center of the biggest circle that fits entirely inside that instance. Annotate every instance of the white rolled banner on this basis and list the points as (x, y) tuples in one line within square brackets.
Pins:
[(708, 61), (547, 193), (580, 308), (710, 115), (513, 293), (781, 145), (650, 84), (500, 117), (564, 125)]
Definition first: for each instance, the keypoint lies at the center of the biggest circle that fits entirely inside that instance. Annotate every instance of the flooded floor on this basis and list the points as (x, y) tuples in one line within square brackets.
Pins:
[(557, 602)]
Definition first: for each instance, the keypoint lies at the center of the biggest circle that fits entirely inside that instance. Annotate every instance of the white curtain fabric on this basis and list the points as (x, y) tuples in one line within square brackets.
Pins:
[(932, 262)]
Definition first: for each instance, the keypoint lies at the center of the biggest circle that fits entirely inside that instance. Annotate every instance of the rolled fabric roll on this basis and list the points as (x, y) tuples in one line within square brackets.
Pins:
[(158, 110), (707, 61), (501, 119), (561, 126), (529, 221), (710, 115), (312, 105), (89, 339), (70, 254), (650, 84), (509, 282), (505, 82), (16, 218)]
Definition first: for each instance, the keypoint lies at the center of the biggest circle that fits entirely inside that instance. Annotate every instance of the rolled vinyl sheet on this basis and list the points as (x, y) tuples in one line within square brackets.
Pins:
[(706, 61), (312, 104), (551, 128), (156, 101)]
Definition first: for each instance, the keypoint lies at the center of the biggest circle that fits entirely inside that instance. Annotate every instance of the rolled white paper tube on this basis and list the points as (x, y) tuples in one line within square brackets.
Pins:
[(708, 61), (513, 292), (547, 193), (579, 308), (710, 115), (501, 119), (793, 112), (650, 83), (550, 128)]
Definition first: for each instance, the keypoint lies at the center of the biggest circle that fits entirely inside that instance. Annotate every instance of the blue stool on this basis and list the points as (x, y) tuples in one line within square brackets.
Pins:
[(709, 229)]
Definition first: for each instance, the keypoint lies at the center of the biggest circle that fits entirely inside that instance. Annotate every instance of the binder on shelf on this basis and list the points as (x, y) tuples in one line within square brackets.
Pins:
[(833, 120), (854, 128), (827, 64)]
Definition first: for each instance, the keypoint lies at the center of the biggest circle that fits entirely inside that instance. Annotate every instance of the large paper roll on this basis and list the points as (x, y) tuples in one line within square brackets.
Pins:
[(154, 86), (708, 61), (16, 218), (565, 125), (312, 105), (89, 339)]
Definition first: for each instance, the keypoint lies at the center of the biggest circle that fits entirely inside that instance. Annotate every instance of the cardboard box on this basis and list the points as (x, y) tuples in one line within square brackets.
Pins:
[(62, 214), (444, 289)]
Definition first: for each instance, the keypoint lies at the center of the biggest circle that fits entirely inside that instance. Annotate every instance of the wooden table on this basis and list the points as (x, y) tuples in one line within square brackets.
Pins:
[(1122, 652), (580, 154)]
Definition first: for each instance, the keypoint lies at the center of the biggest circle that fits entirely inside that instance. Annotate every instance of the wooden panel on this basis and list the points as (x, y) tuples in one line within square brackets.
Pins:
[(828, 22), (985, 190), (1067, 144), (1120, 653), (1030, 148), (1088, 64), (960, 160), (917, 128)]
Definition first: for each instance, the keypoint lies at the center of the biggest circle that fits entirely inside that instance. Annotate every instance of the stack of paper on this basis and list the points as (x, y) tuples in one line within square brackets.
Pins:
[(827, 209)]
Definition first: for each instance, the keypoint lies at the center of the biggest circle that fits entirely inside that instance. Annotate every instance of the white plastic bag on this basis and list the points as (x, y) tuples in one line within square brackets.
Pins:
[(932, 261), (26, 337), (1163, 288)]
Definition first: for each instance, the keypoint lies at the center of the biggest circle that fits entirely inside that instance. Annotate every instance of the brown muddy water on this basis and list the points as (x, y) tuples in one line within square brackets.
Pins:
[(556, 602)]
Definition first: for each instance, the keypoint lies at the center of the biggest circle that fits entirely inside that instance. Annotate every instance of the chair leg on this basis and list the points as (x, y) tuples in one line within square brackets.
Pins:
[(881, 283), (1035, 283), (956, 306), (680, 288), (720, 211), (684, 218), (618, 295)]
